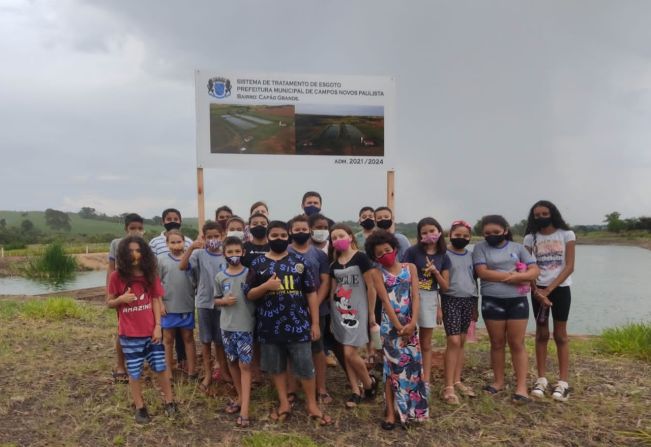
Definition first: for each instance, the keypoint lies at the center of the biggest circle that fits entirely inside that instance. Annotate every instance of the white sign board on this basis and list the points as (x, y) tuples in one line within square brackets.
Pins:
[(289, 121)]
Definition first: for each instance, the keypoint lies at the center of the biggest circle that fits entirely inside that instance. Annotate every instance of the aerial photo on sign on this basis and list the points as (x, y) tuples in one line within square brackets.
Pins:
[(339, 130), (259, 129)]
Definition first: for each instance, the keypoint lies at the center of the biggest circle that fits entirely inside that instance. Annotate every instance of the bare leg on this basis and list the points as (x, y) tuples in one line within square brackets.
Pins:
[(563, 348), (452, 351), (234, 368), (320, 367), (425, 335), (190, 350), (460, 359), (221, 359), (207, 366), (168, 342), (358, 369), (309, 386), (390, 409), (165, 386), (136, 392), (515, 331), (497, 334), (119, 357), (542, 337), (280, 382), (245, 392)]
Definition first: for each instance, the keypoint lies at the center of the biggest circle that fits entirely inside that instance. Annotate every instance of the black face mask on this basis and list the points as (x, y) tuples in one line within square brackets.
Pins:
[(368, 224), (172, 226), (385, 224), (542, 222), (459, 242), (311, 209), (258, 232), (495, 239), (300, 238), (278, 245)]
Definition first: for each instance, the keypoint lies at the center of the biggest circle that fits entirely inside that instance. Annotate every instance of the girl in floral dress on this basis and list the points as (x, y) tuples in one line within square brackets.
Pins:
[(405, 390)]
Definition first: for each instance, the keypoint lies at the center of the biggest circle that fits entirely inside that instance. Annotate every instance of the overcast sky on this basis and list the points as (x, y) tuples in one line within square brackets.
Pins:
[(500, 103)]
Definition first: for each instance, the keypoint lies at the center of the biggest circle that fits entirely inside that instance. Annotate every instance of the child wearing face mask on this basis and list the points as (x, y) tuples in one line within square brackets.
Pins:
[(133, 226), (552, 243), (171, 219), (205, 259), (177, 308), (384, 221), (459, 308), (432, 265), (405, 388), (352, 300), (367, 222), (504, 309), (237, 322), (235, 228), (320, 229), (258, 245)]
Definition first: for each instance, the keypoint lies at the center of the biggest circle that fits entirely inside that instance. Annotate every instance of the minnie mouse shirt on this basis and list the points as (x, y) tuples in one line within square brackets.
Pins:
[(349, 305)]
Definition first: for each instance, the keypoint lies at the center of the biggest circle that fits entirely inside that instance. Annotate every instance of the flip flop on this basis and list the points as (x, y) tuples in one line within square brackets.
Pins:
[(520, 399), (232, 408), (243, 422), (119, 377), (465, 390), (324, 419), (388, 425), (490, 389)]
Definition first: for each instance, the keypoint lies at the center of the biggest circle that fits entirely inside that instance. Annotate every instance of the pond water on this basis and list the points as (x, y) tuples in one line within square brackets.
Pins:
[(609, 287)]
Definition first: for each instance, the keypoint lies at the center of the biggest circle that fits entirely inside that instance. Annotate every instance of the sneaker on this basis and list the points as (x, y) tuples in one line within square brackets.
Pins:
[(561, 391), (142, 416), (539, 388), (171, 410)]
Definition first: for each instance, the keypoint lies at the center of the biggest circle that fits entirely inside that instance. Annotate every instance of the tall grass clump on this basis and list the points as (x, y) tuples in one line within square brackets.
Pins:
[(633, 340), (55, 309), (53, 265)]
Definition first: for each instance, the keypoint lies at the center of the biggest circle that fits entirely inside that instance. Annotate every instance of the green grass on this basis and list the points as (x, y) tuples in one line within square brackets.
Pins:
[(276, 440), (53, 265), (51, 309), (39, 249), (633, 340)]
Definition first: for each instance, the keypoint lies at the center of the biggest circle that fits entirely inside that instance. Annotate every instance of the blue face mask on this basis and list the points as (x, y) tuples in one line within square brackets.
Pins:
[(311, 209), (213, 244)]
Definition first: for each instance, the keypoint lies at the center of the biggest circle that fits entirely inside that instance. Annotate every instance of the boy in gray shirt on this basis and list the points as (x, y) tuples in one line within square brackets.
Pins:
[(237, 322)]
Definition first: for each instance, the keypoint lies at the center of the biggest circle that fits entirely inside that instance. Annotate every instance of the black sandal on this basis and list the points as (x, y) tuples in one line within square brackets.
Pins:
[(353, 401), (490, 389), (520, 399), (371, 393), (388, 425)]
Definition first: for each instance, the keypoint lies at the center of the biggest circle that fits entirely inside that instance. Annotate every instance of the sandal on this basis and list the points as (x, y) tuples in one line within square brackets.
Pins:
[(388, 425), (519, 399), (324, 398), (450, 398), (371, 393), (353, 401), (242, 422), (119, 377), (465, 390), (280, 417), (232, 407), (490, 389), (324, 420)]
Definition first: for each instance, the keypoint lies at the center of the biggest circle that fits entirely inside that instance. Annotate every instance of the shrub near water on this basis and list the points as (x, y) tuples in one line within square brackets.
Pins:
[(54, 264), (633, 340)]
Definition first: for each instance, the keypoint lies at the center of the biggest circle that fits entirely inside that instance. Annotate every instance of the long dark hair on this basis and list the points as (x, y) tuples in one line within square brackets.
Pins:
[(496, 219), (124, 262), (557, 219), (441, 247)]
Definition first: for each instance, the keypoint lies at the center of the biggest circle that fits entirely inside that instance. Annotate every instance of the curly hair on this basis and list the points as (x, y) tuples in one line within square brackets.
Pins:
[(379, 237), (557, 220), (124, 261)]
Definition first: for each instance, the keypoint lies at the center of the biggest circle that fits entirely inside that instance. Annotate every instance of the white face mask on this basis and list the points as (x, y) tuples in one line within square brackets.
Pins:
[(320, 235), (237, 234)]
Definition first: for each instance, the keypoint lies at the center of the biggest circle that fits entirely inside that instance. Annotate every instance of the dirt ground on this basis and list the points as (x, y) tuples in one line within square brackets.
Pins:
[(56, 390)]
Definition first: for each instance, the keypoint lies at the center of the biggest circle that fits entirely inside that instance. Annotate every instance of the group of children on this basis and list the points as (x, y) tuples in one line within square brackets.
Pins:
[(273, 296)]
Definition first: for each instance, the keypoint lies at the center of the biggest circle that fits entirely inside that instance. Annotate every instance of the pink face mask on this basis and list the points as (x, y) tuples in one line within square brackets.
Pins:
[(387, 259), (431, 238), (341, 244)]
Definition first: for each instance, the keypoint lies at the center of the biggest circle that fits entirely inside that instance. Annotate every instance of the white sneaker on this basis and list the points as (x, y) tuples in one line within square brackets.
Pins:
[(561, 391), (538, 391)]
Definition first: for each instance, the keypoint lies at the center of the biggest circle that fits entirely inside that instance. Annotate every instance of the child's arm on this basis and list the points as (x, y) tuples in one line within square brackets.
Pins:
[(185, 260), (409, 329), (324, 288), (486, 274), (371, 295), (384, 297), (112, 301), (157, 335), (529, 275), (272, 283), (313, 303)]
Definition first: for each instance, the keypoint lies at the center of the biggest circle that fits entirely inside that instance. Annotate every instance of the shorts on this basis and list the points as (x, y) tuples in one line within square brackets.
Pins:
[(493, 308), (209, 329), (427, 311), (457, 313), (274, 357), (561, 298), (177, 321), (238, 346), (317, 345), (137, 349)]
